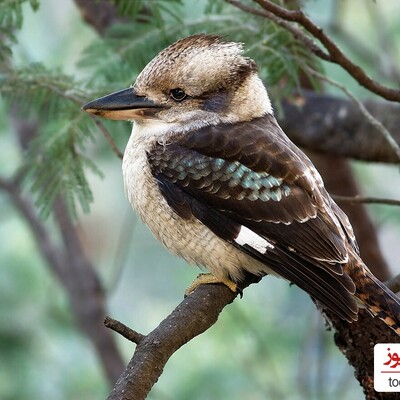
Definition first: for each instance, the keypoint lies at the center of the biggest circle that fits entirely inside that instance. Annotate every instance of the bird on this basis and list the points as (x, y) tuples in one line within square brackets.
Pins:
[(211, 173)]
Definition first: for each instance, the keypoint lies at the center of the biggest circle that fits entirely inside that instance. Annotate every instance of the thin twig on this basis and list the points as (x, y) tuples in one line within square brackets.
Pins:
[(366, 200), (361, 49), (123, 330), (370, 118), (108, 137), (297, 33), (336, 55)]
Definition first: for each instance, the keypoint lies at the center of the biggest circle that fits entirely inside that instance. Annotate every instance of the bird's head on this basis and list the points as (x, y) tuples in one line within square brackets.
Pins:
[(196, 81)]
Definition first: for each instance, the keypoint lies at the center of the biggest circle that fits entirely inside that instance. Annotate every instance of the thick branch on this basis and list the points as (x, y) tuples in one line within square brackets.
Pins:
[(335, 126), (194, 315), (378, 126), (357, 341)]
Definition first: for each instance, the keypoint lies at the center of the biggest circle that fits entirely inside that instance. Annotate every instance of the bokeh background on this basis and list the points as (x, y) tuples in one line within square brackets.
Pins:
[(270, 344)]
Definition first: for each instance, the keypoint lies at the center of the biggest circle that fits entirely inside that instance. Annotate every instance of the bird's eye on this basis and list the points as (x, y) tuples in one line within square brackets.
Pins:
[(177, 94)]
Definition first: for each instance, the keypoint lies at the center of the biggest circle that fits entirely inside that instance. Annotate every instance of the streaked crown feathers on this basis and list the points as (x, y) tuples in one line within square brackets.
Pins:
[(200, 63)]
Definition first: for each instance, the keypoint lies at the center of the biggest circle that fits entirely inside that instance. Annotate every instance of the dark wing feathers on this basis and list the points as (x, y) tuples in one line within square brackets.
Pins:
[(251, 174), (233, 186), (250, 144), (176, 198), (320, 284)]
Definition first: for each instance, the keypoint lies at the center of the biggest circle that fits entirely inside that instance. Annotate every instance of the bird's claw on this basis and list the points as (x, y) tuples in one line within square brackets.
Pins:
[(211, 279)]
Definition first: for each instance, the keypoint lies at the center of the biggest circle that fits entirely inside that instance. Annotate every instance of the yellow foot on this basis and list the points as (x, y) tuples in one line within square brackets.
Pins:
[(209, 278)]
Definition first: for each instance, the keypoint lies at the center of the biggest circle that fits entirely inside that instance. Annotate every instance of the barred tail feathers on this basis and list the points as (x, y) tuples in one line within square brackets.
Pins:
[(378, 298)]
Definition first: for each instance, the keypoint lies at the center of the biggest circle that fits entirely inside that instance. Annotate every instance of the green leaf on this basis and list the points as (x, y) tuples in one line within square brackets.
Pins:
[(56, 160), (11, 19)]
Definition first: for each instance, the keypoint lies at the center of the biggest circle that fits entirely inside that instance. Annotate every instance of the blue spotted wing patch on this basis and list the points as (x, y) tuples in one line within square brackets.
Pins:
[(218, 176), (232, 186)]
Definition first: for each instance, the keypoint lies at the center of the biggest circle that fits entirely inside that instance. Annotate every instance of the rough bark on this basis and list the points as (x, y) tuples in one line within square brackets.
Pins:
[(335, 126), (197, 313), (356, 341)]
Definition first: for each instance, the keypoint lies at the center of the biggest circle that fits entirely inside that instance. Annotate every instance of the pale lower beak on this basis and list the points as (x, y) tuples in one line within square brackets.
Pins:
[(122, 105)]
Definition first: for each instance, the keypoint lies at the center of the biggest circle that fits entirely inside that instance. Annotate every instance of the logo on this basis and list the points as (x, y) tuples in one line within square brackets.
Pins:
[(387, 367)]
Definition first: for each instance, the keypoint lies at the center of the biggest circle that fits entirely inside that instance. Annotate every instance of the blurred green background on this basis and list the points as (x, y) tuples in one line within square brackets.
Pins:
[(272, 344)]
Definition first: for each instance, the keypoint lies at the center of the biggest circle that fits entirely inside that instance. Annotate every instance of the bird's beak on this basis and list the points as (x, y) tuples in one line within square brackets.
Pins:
[(124, 104)]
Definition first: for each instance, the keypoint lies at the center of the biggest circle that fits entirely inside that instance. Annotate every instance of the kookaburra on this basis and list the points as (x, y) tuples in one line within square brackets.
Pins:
[(217, 181)]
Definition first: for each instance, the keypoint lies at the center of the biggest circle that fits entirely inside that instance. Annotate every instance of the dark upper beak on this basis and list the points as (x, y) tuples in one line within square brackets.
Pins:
[(124, 104)]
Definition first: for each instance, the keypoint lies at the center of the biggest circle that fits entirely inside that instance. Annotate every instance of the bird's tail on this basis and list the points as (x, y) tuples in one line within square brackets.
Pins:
[(377, 297)]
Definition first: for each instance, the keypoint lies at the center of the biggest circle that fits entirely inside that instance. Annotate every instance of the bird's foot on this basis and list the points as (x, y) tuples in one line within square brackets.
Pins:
[(210, 278)]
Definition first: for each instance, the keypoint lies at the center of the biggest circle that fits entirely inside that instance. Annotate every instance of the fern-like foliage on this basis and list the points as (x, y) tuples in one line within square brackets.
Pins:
[(155, 12), (57, 161), (56, 158), (11, 18)]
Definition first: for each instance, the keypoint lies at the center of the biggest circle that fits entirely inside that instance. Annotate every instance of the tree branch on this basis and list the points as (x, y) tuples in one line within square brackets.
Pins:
[(366, 200), (365, 113), (123, 330), (193, 316), (335, 126), (297, 33), (200, 310), (77, 277), (108, 137), (357, 341), (336, 55)]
